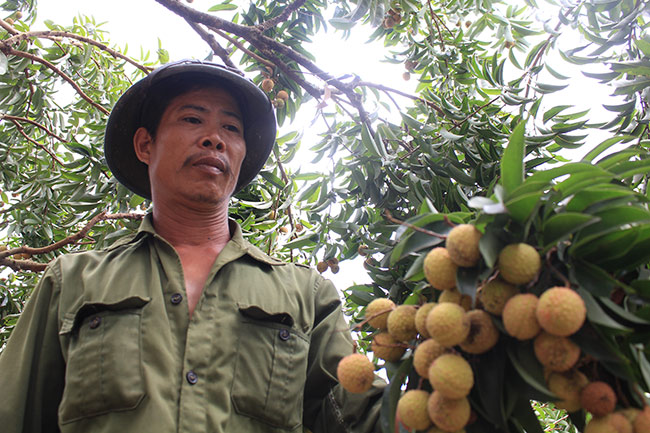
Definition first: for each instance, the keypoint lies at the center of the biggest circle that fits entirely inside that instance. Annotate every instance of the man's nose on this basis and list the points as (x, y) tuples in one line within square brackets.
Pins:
[(213, 139)]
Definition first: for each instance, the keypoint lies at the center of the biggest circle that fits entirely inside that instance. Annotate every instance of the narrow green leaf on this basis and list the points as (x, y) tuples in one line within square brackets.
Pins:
[(512, 163), (391, 394), (596, 314), (222, 7), (561, 225)]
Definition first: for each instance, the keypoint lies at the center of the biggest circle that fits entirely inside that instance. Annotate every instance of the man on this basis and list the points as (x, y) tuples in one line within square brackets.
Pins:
[(185, 326)]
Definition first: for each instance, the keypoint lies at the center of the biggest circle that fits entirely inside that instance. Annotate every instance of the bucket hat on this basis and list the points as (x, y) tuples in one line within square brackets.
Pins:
[(126, 118)]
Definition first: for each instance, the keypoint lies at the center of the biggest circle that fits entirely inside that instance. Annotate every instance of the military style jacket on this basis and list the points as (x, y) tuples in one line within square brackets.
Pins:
[(106, 344)]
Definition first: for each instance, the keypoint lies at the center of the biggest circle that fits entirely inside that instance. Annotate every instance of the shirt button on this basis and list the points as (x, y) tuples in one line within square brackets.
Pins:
[(95, 322), (191, 377), (176, 298), (285, 334)]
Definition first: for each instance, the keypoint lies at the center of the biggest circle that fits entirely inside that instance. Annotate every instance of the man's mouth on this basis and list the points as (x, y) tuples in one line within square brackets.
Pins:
[(211, 163)]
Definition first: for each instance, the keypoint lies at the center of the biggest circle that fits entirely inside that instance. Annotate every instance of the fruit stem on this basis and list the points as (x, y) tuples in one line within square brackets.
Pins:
[(392, 219)]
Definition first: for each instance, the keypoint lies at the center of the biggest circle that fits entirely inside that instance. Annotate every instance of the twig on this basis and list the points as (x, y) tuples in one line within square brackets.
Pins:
[(399, 92), (31, 140), (390, 217), (240, 46), (435, 22), (492, 101), (282, 17), (214, 45), (5, 25), (32, 122)]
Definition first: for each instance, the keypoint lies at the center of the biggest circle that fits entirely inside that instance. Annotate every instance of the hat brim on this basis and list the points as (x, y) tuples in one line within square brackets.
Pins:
[(124, 120)]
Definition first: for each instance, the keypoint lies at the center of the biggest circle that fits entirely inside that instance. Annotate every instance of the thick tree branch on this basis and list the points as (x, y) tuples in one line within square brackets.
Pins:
[(214, 45), (286, 13), (241, 47), (5, 25)]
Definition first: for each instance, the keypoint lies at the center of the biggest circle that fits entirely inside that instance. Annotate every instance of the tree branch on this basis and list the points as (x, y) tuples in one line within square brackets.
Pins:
[(391, 218), (5, 25), (406, 95), (214, 45), (283, 16), (32, 122), (36, 143), (241, 47)]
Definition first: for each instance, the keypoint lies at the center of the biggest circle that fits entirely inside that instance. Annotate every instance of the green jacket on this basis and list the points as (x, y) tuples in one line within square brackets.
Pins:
[(105, 344)]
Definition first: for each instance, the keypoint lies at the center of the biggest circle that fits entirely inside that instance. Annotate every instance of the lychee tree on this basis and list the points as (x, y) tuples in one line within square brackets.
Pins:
[(549, 258)]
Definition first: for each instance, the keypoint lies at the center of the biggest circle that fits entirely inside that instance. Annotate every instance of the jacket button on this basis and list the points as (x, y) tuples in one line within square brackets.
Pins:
[(176, 298), (191, 377), (95, 322), (285, 334)]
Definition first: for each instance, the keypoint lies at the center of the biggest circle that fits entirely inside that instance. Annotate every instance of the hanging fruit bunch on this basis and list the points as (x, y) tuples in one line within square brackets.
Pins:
[(541, 295)]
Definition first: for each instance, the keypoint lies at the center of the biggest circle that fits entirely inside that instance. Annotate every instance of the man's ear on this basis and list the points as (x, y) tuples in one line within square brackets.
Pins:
[(142, 143)]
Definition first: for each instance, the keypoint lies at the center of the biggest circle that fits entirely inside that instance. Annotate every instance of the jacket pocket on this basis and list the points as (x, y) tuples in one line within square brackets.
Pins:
[(271, 368), (104, 360)]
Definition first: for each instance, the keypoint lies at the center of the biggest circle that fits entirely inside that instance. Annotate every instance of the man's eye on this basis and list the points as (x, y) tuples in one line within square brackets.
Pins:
[(232, 128), (190, 119)]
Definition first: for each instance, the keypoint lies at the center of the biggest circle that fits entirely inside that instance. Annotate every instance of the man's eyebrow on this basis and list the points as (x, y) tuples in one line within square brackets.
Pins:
[(203, 110)]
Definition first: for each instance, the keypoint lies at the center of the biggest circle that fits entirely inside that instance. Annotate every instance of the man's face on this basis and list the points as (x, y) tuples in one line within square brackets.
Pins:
[(198, 149)]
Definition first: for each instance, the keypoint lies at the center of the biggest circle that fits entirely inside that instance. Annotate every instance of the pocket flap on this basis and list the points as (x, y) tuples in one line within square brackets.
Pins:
[(73, 319), (258, 313)]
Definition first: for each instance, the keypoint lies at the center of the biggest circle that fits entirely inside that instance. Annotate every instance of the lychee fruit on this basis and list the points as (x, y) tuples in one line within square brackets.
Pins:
[(620, 422), (642, 421), (448, 414), (386, 347), (448, 324), (451, 375), (495, 294), (356, 373), (450, 295), (519, 317), (567, 387), (439, 269), (412, 409), (519, 263), (267, 84), (401, 323), (561, 311), (321, 267), (598, 398), (483, 335), (421, 318), (282, 94), (555, 353), (425, 353), (462, 245), (377, 312), (466, 302), (604, 424)]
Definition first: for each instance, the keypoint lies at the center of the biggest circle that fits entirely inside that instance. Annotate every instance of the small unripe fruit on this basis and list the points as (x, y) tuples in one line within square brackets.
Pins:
[(412, 409), (335, 269), (495, 294), (377, 312), (483, 335), (425, 354), (421, 318), (447, 414), (278, 103), (284, 230), (561, 311), (519, 317), (389, 22), (386, 347), (450, 295), (321, 267), (567, 387), (356, 373), (401, 323), (556, 353), (451, 375), (362, 250), (19, 15), (439, 269), (9, 21), (462, 245), (406, 76), (282, 94), (448, 324), (598, 398), (519, 263), (267, 84)]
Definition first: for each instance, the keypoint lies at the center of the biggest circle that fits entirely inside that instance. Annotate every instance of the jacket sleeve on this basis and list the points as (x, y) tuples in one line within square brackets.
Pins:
[(32, 368), (328, 408)]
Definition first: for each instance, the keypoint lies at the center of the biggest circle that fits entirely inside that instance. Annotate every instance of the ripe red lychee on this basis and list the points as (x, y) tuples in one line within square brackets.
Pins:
[(448, 324), (451, 375), (555, 353), (421, 318), (598, 398), (412, 409), (356, 373), (567, 387), (519, 317), (462, 245), (377, 312), (401, 323), (447, 414), (483, 335), (519, 263), (425, 354), (439, 269), (386, 347), (620, 423), (610, 423), (561, 311), (495, 294)]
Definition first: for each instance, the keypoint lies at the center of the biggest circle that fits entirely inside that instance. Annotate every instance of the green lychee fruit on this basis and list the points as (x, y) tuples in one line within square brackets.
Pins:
[(377, 312), (567, 387), (448, 414), (561, 311), (439, 269), (555, 353), (356, 373), (519, 316), (412, 409), (421, 318), (451, 375), (598, 398), (495, 294), (483, 335), (448, 324), (519, 263), (401, 323), (386, 347), (424, 355), (462, 245)]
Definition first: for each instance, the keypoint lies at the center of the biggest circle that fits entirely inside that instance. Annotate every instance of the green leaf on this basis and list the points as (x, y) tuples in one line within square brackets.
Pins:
[(391, 395), (4, 63), (522, 357), (223, 7), (596, 314), (603, 146), (560, 226), (512, 163)]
